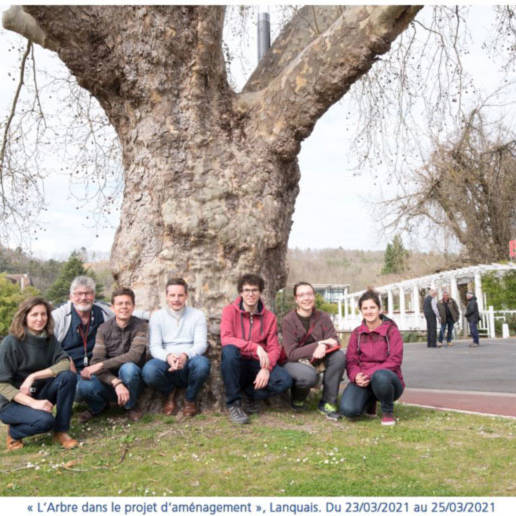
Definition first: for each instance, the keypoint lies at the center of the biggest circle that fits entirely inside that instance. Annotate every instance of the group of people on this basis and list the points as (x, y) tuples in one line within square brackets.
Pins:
[(446, 313), (83, 351)]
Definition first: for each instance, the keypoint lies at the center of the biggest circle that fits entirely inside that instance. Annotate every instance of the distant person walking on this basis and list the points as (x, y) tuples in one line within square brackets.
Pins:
[(473, 316), (449, 315), (431, 316)]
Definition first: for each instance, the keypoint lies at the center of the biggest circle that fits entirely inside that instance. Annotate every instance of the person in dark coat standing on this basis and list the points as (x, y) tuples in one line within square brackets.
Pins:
[(431, 316), (473, 316), (449, 315)]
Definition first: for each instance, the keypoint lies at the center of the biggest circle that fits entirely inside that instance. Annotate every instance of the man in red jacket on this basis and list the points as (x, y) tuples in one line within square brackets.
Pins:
[(250, 350)]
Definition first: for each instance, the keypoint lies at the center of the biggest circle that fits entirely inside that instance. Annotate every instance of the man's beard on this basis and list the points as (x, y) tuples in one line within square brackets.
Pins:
[(85, 307)]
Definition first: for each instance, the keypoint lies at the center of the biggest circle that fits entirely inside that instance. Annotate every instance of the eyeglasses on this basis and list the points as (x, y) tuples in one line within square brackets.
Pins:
[(250, 290), (83, 293)]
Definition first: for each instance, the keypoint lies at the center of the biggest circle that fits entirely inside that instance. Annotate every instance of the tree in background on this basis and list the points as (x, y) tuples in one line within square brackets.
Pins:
[(41, 272), (466, 188), (500, 290), (396, 256), (10, 297), (60, 290)]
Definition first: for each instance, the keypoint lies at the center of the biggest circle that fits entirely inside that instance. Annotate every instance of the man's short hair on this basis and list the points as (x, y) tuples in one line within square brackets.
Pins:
[(122, 291), (82, 281), (302, 284), (251, 279), (177, 281)]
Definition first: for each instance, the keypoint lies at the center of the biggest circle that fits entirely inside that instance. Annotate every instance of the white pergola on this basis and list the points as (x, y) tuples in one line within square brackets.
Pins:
[(408, 294)]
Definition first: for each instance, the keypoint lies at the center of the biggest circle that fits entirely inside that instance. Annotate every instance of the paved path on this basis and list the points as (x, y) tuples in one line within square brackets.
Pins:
[(479, 379)]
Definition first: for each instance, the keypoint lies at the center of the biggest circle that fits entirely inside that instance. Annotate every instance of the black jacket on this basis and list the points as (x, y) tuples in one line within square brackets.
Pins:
[(472, 314)]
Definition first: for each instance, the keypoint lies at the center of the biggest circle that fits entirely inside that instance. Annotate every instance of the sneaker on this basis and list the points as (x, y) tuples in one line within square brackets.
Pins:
[(298, 406), (450, 344), (388, 419), (329, 410), (474, 345), (370, 410), (333, 416), (440, 345), (237, 415)]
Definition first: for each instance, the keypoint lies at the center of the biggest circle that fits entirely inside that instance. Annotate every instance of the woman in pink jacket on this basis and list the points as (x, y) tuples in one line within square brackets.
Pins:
[(373, 363)]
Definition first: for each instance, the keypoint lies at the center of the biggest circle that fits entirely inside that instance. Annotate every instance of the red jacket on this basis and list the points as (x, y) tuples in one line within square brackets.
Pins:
[(370, 350), (247, 331)]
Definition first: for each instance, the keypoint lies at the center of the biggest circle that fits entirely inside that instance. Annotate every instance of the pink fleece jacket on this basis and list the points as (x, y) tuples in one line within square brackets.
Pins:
[(370, 350)]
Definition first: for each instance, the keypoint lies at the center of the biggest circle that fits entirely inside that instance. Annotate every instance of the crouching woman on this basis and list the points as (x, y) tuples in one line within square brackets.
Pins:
[(34, 376), (373, 363)]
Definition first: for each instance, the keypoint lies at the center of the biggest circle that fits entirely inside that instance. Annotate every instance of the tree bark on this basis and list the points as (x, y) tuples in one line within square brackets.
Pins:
[(211, 176)]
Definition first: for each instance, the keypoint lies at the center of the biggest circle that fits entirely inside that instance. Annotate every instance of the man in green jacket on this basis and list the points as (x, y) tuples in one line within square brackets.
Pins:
[(449, 315)]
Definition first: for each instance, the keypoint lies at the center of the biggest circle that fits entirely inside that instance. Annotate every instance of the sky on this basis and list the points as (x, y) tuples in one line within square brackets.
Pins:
[(334, 207)]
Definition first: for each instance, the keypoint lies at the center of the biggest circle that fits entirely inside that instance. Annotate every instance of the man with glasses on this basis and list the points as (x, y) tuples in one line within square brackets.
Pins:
[(250, 350), (76, 322)]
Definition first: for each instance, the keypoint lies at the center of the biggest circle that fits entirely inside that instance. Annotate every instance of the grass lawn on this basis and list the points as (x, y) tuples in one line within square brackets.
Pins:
[(279, 453)]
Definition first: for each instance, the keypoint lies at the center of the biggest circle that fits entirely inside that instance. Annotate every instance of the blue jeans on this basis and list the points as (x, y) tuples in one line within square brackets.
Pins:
[(97, 394), (192, 376), (25, 421), (473, 329), (447, 325), (385, 386), (239, 373)]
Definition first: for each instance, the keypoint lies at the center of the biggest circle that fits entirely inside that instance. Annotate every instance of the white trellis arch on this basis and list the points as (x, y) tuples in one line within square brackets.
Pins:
[(402, 300)]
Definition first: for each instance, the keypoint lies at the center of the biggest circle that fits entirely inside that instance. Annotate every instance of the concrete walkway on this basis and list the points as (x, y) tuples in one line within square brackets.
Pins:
[(480, 380)]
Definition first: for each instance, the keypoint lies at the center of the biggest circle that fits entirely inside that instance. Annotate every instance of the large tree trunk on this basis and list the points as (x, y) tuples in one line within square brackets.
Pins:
[(211, 176)]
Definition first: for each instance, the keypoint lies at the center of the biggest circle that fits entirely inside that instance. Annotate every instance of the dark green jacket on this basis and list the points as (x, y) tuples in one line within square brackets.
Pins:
[(454, 310)]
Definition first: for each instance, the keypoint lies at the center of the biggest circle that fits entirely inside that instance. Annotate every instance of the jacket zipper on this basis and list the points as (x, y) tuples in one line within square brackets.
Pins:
[(250, 325)]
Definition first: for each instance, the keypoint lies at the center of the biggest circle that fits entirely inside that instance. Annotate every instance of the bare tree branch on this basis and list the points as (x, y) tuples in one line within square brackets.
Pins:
[(10, 119), (322, 72)]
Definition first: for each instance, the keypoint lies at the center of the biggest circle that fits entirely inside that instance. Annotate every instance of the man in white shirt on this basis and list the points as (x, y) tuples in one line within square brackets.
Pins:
[(178, 339)]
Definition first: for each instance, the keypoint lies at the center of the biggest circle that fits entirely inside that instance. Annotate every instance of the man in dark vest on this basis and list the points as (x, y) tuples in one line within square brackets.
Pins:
[(431, 316)]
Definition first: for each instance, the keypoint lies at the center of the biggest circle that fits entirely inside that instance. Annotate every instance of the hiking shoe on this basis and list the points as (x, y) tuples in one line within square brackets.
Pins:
[(237, 415), (329, 410), (13, 444), (189, 409), (170, 404), (65, 440), (370, 410), (251, 406), (388, 419), (134, 414)]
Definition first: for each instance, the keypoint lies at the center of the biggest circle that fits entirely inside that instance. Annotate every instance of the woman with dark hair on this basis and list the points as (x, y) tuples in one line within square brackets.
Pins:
[(373, 363), (34, 375), (311, 346)]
